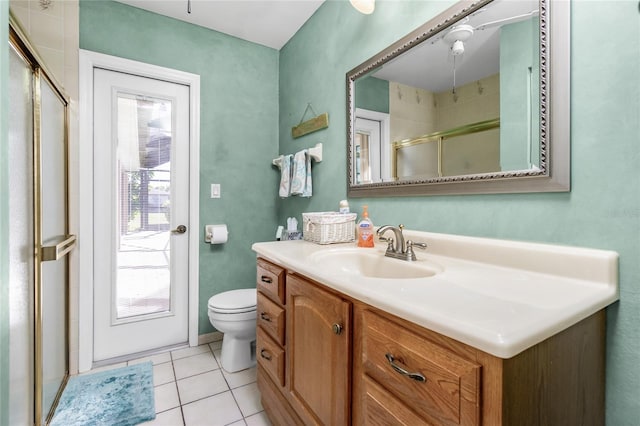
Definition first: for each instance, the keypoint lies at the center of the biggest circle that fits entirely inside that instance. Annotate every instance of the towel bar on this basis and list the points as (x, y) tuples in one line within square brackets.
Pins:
[(315, 153)]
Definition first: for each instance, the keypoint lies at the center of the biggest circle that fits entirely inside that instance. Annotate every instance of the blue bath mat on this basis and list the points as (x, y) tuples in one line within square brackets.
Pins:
[(123, 397)]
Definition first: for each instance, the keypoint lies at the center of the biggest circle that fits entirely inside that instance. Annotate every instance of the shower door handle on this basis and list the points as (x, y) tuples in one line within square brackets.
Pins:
[(60, 250)]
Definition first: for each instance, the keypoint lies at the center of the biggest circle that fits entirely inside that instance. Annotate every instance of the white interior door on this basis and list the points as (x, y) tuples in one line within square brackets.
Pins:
[(141, 214), (371, 149), (367, 150)]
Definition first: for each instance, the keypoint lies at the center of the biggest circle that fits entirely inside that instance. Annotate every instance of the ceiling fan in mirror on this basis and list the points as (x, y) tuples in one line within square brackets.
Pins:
[(457, 35)]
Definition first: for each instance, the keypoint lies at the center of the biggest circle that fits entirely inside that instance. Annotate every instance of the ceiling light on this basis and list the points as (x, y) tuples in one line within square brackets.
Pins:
[(364, 6), (457, 48)]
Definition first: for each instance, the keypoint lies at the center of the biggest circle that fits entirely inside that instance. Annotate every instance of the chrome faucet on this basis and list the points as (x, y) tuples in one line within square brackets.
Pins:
[(397, 232), (398, 249)]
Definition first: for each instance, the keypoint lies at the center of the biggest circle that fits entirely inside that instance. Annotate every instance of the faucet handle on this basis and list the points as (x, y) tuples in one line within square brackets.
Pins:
[(389, 242), (410, 253), (411, 244)]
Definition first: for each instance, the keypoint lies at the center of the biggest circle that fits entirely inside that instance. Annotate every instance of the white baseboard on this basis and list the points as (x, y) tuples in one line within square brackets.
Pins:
[(210, 337)]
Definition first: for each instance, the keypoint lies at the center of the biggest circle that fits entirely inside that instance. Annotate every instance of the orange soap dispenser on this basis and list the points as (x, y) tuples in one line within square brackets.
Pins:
[(365, 230)]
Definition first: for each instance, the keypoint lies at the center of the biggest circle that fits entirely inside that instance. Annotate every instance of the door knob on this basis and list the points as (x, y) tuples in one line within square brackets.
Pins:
[(181, 229)]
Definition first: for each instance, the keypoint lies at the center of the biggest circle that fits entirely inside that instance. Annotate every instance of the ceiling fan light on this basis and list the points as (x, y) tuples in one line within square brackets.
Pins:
[(364, 6), (457, 48)]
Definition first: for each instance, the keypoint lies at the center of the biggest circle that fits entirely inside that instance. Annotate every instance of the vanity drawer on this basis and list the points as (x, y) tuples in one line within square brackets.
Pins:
[(270, 356), (270, 280), (450, 391), (379, 407), (271, 318)]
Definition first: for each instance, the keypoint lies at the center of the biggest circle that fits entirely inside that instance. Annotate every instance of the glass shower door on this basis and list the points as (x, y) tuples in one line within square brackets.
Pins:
[(54, 269)]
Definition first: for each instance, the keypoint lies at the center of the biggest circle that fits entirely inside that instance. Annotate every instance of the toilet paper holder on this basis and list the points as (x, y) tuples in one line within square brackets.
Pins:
[(215, 234)]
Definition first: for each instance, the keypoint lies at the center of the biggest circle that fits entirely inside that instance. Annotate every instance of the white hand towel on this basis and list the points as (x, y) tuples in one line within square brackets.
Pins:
[(308, 186), (285, 176), (301, 174)]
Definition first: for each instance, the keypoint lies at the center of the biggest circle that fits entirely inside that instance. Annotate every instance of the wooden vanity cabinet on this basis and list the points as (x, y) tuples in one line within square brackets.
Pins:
[(559, 381), (318, 353), (307, 329), (334, 367), (271, 343), (396, 365)]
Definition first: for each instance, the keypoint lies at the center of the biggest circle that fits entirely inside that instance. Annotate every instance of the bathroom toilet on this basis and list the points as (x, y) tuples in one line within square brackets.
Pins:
[(234, 314)]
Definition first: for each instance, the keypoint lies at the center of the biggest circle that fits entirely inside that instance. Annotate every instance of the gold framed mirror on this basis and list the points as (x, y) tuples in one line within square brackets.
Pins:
[(477, 100)]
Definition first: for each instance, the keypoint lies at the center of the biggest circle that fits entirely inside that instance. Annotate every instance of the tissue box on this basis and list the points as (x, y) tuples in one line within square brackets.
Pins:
[(329, 227), (292, 235)]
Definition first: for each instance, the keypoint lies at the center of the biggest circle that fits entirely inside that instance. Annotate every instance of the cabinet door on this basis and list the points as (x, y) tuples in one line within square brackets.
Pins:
[(318, 350)]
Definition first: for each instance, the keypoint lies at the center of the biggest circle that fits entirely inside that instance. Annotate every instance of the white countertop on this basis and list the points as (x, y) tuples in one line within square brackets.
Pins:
[(499, 296)]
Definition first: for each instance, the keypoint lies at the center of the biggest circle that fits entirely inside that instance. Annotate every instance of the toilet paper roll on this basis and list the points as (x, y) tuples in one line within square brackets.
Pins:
[(219, 234)]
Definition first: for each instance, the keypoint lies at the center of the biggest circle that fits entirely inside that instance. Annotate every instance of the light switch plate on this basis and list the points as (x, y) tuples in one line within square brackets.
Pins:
[(215, 190)]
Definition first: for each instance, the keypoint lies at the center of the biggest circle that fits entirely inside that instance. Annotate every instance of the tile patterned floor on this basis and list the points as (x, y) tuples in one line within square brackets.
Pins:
[(192, 390)]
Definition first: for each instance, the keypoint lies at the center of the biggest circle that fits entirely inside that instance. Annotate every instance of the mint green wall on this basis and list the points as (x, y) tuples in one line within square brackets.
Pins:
[(601, 211), (238, 134), (4, 215), (372, 94)]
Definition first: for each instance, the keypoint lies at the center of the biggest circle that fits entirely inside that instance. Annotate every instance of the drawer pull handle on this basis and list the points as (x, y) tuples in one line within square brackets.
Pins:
[(415, 376), (266, 279), (264, 316), (265, 354)]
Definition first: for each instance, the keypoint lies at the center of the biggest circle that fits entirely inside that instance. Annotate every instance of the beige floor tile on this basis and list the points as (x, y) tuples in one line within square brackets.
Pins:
[(259, 419), (193, 365), (217, 410), (155, 359), (240, 378), (168, 418), (216, 346), (166, 397), (163, 373), (186, 352), (201, 386), (248, 399)]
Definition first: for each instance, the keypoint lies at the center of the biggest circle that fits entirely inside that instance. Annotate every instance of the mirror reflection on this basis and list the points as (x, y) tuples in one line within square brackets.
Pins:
[(465, 101)]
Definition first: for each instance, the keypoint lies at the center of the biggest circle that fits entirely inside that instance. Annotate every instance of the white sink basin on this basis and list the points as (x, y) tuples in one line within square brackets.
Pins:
[(499, 296), (372, 264)]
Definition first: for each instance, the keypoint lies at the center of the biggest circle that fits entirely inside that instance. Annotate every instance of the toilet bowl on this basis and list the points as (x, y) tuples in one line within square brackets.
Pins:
[(233, 313)]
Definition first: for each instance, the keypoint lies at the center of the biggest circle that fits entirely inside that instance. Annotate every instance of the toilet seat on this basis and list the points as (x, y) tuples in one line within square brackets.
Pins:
[(234, 301)]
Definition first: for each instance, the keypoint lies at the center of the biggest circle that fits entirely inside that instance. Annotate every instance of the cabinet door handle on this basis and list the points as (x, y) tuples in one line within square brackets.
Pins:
[(415, 376), (266, 279), (264, 316), (265, 354), (337, 328)]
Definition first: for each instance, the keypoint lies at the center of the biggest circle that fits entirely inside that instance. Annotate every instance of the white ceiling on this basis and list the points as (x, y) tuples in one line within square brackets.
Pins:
[(268, 22)]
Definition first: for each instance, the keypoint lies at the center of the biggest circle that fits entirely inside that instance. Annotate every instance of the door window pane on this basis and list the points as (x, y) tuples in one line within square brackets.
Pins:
[(144, 130)]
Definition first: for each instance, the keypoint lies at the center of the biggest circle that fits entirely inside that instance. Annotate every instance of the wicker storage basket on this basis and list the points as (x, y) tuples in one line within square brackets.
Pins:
[(329, 227)]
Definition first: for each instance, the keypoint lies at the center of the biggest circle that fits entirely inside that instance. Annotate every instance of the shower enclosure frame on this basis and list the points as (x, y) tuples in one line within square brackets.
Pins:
[(58, 252)]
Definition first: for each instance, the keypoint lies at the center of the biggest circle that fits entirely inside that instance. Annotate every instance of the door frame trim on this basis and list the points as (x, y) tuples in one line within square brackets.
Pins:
[(88, 60)]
